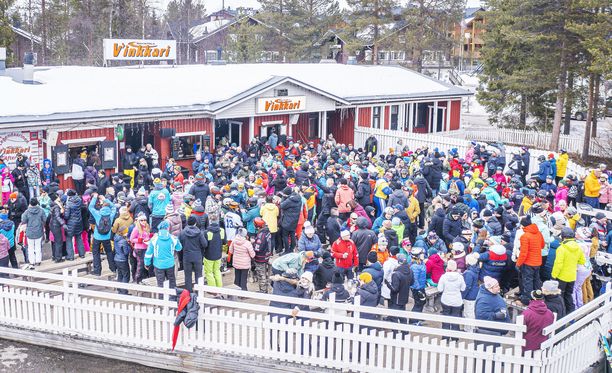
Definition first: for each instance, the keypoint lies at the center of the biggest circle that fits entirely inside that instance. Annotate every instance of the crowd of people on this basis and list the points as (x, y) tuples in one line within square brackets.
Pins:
[(310, 220)]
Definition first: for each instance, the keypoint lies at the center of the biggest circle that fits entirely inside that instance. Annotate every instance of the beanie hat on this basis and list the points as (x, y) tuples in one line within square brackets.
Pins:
[(372, 257), (393, 251), (487, 213), (537, 295), (169, 209), (382, 241), (309, 230), (191, 220), (337, 278), (365, 277), (199, 176), (13, 195), (345, 233), (472, 259), (326, 255), (432, 251), (163, 225), (451, 265), (401, 258), (490, 282), (550, 287), (498, 249), (307, 275), (458, 246), (396, 221), (142, 191)]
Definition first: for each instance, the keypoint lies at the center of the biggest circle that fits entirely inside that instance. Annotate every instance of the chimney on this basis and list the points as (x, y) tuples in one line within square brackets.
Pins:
[(29, 60), (2, 61)]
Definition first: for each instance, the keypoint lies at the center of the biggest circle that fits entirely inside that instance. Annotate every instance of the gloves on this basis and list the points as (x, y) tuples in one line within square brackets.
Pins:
[(500, 315)]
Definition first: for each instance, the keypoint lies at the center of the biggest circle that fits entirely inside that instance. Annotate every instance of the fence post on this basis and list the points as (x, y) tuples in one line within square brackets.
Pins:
[(520, 321), (356, 314)]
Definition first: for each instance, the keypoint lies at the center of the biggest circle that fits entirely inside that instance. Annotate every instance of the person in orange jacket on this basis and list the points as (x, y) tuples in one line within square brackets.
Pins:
[(344, 251), (530, 258)]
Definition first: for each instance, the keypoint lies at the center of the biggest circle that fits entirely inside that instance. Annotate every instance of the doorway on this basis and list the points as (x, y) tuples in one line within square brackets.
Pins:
[(227, 132), (137, 135)]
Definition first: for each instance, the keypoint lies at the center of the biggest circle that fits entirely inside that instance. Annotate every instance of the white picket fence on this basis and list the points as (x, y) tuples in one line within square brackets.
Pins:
[(536, 139), (336, 338), (388, 139)]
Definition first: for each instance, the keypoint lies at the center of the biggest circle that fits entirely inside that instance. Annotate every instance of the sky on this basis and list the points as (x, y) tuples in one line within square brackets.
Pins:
[(214, 5)]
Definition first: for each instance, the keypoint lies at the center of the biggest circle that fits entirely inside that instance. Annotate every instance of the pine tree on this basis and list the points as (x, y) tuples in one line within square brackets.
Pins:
[(368, 19), (245, 43), (6, 34)]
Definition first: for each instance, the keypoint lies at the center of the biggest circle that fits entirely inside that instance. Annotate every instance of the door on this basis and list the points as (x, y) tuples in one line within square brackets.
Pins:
[(441, 116), (108, 153), (235, 132), (61, 159)]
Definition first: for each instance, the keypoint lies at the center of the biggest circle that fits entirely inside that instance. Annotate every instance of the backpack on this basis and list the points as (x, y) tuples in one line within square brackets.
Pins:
[(453, 186), (104, 225)]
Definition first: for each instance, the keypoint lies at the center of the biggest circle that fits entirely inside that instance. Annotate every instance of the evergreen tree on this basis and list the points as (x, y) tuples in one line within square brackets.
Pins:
[(6, 34), (245, 43), (368, 19)]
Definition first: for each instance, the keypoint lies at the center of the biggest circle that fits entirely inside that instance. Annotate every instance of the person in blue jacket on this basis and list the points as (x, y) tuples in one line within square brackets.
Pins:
[(248, 217), (7, 229), (490, 306), (160, 253), (494, 262), (158, 200), (470, 277), (102, 232), (543, 169), (122, 254), (419, 271), (374, 268)]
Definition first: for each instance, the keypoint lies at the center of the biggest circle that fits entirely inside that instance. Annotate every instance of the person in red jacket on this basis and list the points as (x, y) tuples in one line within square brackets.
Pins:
[(530, 259), (345, 253), (537, 317)]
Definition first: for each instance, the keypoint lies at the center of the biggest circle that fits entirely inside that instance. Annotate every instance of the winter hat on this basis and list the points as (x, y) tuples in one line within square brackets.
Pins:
[(567, 232), (163, 225), (382, 241), (326, 255), (192, 220), (497, 249), (472, 259), (571, 210), (365, 277), (406, 243), (451, 266), (199, 176), (401, 258), (142, 191), (600, 215), (287, 191), (123, 210), (197, 205), (345, 233), (337, 278), (372, 257), (550, 287), (537, 295), (458, 247), (309, 254), (307, 276), (478, 223), (396, 221), (487, 213), (537, 208), (169, 209), (490, 282), (389, 210), (309, 230), (505, 237), (432, 251)]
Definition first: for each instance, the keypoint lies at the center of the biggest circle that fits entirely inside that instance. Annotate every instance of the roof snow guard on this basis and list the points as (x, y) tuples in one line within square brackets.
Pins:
[(94, 93)]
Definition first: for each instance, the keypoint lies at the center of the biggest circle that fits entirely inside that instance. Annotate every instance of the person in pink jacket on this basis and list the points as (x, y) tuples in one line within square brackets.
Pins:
[(561, 194), (242, 252), (605, 193), (141, 234), (344, 195)]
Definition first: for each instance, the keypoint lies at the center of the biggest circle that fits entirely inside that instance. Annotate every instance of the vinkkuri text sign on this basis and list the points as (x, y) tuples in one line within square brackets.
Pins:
[(139, 50), (281, 104)]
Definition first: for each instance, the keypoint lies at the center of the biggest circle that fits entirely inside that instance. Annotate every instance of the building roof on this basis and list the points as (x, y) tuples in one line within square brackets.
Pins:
[(471, 12), (86, 92), (207, 28), (26, 34)]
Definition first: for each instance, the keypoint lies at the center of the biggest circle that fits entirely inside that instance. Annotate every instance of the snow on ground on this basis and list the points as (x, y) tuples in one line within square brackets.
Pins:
[(74, 89)]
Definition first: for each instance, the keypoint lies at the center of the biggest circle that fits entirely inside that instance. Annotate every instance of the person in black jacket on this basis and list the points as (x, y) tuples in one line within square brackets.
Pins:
[(17, 205), (194, 244), (553, 299), (363, 190), (437, 221), (302, 174), (452, 226), (323, 275), (327, 202), (364, 238), (333, 226), (368, 293), (140, 204), (74, 224), (290, 214), (200, 189), (56, 223), (423, 192), (400, 283), (215, 235)]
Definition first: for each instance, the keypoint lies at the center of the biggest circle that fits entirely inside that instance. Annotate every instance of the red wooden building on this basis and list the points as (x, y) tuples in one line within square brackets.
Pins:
[(182, 109)]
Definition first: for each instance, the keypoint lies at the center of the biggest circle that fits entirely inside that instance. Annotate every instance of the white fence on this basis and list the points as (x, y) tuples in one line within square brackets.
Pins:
[(335, 338), (540, 140), (388, 139)]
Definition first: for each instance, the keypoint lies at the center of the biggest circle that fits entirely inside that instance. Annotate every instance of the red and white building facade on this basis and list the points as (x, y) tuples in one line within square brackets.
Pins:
[(303, 105)]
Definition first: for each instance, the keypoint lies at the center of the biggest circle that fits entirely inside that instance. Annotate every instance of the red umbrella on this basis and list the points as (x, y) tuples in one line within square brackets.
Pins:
[(180, 315)]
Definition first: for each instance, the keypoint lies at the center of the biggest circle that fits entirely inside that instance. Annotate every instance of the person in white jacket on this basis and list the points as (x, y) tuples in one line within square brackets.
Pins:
[(451, 285), (388, 268)]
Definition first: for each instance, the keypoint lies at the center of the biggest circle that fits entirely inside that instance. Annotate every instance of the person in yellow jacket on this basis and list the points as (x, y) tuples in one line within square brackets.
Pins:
[(565, 268), (561, 166), (572, 216), (475, 180), (269, 213), (592, 188), (381, 193)]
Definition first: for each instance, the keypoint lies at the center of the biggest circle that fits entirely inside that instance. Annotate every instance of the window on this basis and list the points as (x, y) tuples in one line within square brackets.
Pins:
[(184, 147), (394, 117), (382, 56), (376, 117), (313, 126), (282, 92)]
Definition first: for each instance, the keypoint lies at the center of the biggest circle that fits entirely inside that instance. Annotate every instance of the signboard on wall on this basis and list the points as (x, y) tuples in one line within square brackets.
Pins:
[(28, 143), (272, 105), (139, 50)]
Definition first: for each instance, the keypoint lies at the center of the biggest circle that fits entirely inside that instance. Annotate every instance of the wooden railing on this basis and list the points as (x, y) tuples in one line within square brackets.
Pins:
[(327, 335)]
